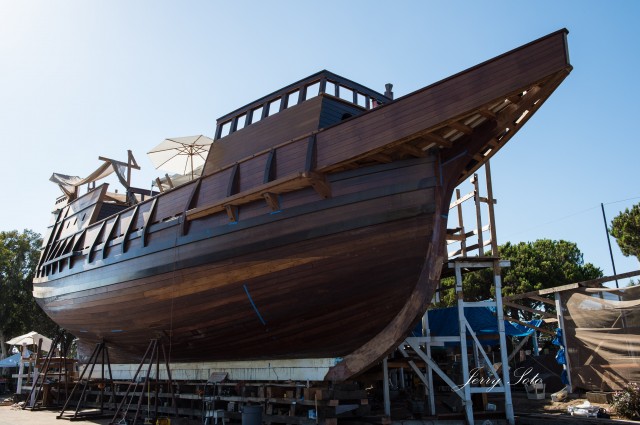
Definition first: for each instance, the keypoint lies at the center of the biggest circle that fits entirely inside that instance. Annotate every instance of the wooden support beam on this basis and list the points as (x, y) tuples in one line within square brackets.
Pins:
[(519, 347), (232, 212), (130, 164), (147, 222), (159, 184), (525, 295), (469, 248), (599, 281), (529, 309), (129, 228), (490, 203), (94, 243), (286, 184), (381, 157), (487, 113), (515, 98), (465, 129), (191, 203), (412, 150), (486, 200), (438, 140), (169, 181), (77, 246), (320, 184), (542, 299), (109, 236), (463, 242), (461, 200), (62, 257), (528, 325), (272, 200)]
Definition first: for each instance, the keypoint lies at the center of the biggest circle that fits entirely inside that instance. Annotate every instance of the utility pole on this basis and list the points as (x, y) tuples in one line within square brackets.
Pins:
[(606, 229)]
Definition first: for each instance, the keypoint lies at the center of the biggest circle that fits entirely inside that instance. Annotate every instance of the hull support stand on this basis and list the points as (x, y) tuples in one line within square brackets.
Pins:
[(151, 358), (86, 378), (39, 379)]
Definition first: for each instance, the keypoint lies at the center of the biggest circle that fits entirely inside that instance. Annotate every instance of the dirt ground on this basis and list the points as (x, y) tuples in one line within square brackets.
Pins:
[(10, 415), (13, 415), (524, 406)]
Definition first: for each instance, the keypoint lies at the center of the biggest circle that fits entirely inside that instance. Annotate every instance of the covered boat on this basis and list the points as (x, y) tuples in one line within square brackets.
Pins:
[(315, 230)]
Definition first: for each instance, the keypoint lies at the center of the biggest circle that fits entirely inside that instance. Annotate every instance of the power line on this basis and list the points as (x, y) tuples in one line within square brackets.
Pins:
[(556, 220), (622, 200), (573, 215)]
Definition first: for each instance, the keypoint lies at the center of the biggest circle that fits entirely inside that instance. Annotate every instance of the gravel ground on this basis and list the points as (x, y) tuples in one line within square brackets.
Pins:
[(10, 415)]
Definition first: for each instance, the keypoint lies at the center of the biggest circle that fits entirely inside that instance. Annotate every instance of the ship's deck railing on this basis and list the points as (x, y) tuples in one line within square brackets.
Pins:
[(323, 82)]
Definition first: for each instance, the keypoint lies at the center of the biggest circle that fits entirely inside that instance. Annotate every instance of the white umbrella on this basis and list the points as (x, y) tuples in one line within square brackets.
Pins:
[(181, 154), (32, 338)]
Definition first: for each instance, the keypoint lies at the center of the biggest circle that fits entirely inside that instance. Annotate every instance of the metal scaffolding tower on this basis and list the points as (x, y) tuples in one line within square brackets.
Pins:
[(497, 374)]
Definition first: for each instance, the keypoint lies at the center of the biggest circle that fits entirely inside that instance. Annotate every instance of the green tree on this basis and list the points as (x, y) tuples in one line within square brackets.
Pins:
[(625, 227), (19, 313), (534, 266)]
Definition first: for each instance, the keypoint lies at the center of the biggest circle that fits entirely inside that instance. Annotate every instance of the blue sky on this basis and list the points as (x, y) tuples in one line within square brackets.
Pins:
[(82, 79)]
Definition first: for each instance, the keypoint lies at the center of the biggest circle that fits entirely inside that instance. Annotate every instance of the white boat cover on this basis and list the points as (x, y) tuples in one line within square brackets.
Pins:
[(69, 184)]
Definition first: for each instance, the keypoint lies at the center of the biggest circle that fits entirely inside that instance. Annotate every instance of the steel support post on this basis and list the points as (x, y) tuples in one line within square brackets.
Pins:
[(385, 379)]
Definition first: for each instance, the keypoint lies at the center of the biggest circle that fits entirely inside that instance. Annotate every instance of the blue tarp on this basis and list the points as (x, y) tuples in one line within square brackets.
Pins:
[(561, 356), (444, 322), (12, 361)]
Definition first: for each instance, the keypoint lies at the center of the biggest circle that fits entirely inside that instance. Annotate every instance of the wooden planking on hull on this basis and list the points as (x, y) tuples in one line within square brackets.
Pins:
[(226, 248), (317, 299), (350, 193), (311, 263)]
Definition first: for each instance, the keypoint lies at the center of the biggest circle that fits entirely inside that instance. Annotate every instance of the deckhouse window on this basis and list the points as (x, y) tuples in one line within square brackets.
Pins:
[(346, 94), (362, 100), (226, 128), (256, 115), (313, 90), (241, 122), (274, 106), (330, 88), (294, 97)]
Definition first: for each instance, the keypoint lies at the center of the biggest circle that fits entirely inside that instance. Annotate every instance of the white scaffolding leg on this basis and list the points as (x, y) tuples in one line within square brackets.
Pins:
[(508, 403), (464, 359), (426, 332)]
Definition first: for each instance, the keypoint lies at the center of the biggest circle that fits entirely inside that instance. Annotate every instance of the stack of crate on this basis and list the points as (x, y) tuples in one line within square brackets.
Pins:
[(343, 400)]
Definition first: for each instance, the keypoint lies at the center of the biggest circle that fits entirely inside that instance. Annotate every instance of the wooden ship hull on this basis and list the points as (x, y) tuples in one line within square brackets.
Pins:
[(316, 231)]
